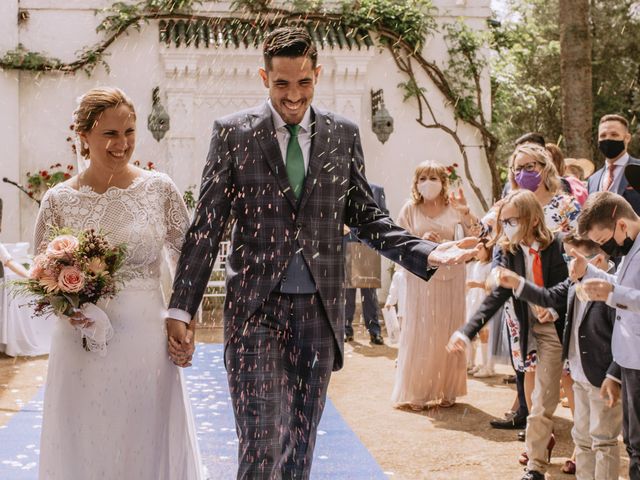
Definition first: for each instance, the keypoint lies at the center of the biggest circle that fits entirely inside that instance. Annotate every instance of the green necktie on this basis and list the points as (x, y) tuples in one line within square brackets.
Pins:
[(295, 161)]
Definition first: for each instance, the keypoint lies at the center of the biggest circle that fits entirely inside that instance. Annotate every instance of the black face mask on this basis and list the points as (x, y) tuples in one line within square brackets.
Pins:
[(611, 247), (611, 148)]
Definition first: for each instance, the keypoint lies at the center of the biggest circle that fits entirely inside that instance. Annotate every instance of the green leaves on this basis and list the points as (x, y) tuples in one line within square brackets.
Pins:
[(120, 16), (412, 20), (22, 59), (411, 89), (466, 64)]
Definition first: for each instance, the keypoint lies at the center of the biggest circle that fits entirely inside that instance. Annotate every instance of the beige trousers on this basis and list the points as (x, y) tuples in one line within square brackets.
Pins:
[(595, 432), (546, 392)]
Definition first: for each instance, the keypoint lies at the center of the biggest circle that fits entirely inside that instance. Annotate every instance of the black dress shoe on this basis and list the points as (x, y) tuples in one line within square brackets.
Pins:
[(513, 422), (348, 338), (522, 436), (377, 339), (533, 475)]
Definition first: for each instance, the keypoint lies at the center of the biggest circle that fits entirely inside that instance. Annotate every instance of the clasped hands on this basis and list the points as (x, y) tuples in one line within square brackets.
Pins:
[(181, 343)]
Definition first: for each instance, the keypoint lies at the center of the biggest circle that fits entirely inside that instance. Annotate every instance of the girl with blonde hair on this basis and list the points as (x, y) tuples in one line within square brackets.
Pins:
[(530, 249)]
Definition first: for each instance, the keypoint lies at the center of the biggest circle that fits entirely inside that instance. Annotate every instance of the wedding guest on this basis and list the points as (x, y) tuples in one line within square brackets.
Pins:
[(398, 293), (477, 275), (124, 413), (7, 261), (530, 137), (531, 168), (587, 347), (24, 334), (584, 168), (393, 318), (369, 296), (529, 248), (613, 140), (435, 309), (610, 221)]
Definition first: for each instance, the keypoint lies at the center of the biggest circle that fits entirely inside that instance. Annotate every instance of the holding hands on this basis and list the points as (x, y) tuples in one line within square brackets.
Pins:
[(181, 344)]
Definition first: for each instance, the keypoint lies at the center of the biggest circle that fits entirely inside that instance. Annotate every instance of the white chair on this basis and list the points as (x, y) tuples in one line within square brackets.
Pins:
[(216, 285)]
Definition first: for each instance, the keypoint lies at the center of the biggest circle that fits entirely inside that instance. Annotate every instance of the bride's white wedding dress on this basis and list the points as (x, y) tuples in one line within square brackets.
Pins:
[(124, 415)]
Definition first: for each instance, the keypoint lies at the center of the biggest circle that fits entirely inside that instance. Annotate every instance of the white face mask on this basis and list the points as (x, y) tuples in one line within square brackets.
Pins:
[(430, 189), (511, 232)]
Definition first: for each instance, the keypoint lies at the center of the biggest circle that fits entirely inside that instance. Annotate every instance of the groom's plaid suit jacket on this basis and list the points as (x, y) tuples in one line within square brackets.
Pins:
[(245, 175)]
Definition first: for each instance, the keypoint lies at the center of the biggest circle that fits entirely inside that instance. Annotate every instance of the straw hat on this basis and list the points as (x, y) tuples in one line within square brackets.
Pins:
[(586, 165)]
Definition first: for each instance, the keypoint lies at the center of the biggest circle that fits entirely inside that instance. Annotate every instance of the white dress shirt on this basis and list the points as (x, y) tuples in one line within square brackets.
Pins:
[(282, 134), (617, 173), (528, 268)]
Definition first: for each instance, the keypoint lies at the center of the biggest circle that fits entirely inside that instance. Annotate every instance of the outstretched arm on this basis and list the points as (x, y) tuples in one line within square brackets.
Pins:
[(554, 297)]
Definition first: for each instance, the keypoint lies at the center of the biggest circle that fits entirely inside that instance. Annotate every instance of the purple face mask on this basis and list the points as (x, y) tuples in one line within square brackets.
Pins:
[(529, 180)]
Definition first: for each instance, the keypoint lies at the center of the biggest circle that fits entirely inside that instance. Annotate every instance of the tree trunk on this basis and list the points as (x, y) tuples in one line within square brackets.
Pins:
[(575, 69)]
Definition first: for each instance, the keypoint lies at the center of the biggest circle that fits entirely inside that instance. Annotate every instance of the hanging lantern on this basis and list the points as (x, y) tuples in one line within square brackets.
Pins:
[(381, 120), (158, 121)]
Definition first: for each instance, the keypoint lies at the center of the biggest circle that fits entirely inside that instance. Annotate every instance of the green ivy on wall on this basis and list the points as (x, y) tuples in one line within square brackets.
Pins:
[(401, 27)]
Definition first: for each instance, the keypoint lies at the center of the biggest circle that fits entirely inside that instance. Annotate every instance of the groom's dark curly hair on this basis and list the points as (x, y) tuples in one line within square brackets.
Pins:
[(289, 42)]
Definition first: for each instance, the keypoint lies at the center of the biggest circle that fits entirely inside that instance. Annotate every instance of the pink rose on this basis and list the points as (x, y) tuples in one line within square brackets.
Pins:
[(71, 279), (62, 246), (37, 269)]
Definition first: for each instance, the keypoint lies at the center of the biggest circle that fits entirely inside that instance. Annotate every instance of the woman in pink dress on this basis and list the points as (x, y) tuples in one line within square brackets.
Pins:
[(435, 309)]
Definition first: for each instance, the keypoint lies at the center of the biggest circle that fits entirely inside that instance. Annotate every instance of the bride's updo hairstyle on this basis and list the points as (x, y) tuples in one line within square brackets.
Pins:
[(92, 104)]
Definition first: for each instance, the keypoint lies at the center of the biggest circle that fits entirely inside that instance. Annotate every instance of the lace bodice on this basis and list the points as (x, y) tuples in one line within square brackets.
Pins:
[(147, 216)]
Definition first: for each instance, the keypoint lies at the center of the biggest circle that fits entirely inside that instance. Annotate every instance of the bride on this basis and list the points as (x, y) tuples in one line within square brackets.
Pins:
[(125, 414)]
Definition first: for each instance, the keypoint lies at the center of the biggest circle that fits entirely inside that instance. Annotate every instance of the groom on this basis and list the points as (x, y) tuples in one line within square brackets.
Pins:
[(290, 175)]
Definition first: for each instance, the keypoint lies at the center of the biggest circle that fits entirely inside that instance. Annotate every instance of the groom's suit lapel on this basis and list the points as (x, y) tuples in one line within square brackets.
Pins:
[(265, 133), (318, 154)]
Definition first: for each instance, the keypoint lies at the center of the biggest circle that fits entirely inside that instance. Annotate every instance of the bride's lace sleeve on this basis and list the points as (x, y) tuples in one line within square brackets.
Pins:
[(177, 221), (47, 220)]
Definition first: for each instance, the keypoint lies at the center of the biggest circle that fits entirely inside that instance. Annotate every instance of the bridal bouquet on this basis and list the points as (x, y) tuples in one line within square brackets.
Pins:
[(75, 271)]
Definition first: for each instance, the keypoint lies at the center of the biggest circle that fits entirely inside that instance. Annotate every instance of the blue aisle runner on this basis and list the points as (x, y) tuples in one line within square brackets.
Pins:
[(339, 454)]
